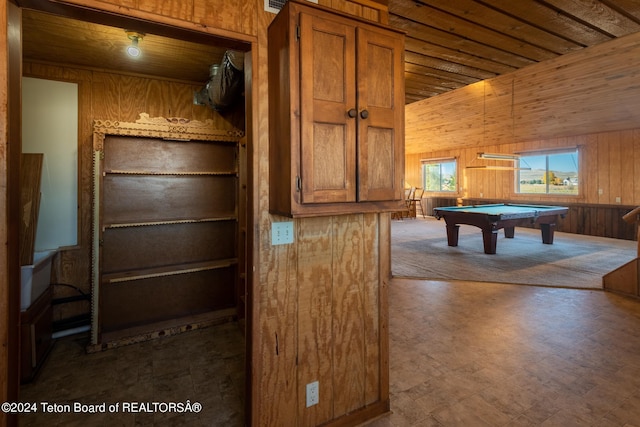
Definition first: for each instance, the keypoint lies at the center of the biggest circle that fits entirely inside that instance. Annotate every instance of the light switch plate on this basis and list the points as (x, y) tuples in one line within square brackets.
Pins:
[(281, 232)]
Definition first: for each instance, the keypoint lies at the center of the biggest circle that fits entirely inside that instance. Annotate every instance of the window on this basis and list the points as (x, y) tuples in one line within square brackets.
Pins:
[(439, 175), (552, 172), (51, 128)]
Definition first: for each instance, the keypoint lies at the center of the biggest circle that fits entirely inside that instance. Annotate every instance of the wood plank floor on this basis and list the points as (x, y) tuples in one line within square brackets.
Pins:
[(462, 354), (488, 354)]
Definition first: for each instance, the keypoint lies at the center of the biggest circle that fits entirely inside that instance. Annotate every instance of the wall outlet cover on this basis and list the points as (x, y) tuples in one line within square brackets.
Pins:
[(313, 393)]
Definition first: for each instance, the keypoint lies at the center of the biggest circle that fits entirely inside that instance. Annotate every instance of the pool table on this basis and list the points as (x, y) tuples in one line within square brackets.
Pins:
[(491, 218)]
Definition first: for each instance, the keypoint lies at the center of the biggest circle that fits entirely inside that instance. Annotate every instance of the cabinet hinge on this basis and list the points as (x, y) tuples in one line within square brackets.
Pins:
[(297, 32), (298, 183), (101, 242), (101, 155)]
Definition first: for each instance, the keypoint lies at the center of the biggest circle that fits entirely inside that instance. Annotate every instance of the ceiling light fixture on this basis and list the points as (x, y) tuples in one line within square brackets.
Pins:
[(498, 156), (133, 50), (498, 168)]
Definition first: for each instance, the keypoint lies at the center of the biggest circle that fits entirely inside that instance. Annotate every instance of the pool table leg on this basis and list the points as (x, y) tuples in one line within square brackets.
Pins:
[(490, 239), (547, 233), (452, 234), (509, 232)]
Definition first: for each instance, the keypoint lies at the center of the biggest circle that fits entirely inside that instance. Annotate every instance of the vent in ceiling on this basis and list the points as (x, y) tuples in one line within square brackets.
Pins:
[(274, 6)]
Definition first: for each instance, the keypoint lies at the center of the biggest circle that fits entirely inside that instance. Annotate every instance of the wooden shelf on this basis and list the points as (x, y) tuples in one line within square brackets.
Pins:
[(165, 233), (178, 221), (165, 328), (150, 273), (170, 173)]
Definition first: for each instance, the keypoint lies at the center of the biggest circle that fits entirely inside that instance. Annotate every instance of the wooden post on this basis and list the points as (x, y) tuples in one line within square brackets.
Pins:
[(631, 217)]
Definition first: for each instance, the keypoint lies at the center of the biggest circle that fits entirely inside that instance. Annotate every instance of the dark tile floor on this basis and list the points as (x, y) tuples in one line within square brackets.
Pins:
[(204, 366), (462, 354)]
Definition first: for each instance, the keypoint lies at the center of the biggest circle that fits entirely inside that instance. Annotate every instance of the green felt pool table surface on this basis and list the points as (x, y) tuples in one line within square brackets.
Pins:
[(503, 210)]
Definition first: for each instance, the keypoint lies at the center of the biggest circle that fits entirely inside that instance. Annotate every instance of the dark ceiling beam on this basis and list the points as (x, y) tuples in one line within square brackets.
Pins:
[(599, 15), (550, 20), (419, 47), (462, 28), (508, 25)]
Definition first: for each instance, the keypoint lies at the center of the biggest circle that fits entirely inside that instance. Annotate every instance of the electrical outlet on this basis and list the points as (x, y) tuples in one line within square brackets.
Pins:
[(618, 199), (281, 232), (313, 393)]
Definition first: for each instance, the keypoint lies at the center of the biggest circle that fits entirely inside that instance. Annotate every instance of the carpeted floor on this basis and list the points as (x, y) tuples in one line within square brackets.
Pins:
[(419, 249)]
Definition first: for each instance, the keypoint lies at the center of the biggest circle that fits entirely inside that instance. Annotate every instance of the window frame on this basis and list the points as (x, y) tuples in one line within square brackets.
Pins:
[(440, 161), (547, 153)]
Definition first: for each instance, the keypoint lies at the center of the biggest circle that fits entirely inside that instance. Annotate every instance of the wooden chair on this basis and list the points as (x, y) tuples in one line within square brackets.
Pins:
[(416, 203), (408, 199)]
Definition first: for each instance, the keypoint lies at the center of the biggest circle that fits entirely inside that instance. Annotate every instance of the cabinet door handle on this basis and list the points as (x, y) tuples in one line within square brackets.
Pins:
[(352, 113), (364, 114)]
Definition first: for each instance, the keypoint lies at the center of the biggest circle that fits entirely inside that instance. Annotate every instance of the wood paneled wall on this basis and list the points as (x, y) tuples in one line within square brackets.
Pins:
[(609, 167), (324, 319), (10, 346), (590, 91), (10, 207), (589, 99), (318, 306)]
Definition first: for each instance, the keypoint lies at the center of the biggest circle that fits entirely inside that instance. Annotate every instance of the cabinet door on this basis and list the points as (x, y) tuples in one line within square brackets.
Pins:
[(380, 77), (327, 94)]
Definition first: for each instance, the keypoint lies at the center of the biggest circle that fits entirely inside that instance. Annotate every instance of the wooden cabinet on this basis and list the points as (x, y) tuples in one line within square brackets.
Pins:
[(36, 324), (336, 114), (166, 237)]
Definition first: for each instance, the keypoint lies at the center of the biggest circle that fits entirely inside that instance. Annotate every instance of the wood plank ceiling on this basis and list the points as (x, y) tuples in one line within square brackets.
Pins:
[(449, 44), (453, 43), (54, 39)]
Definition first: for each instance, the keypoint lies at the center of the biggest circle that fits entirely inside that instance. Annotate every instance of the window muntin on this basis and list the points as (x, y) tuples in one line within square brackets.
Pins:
[(439, 175), (551, 172)]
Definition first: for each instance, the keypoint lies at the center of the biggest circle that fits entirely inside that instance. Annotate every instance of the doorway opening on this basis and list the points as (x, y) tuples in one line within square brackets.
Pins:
[(175, 64)]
